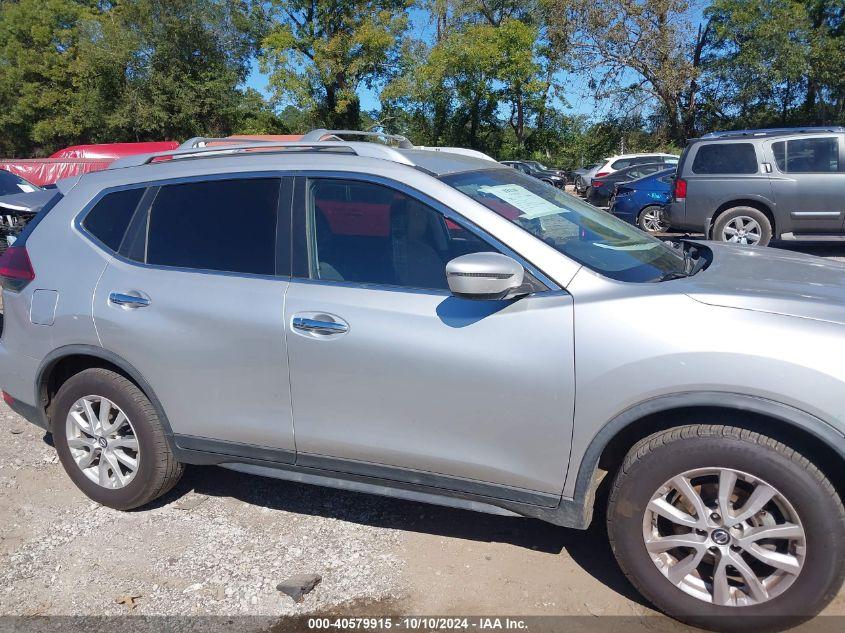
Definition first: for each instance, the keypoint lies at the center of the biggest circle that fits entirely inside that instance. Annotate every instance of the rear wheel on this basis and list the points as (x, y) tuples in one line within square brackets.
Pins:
[(715, 522), (110, 440), (651, 220), (580, 185), (743, 225)]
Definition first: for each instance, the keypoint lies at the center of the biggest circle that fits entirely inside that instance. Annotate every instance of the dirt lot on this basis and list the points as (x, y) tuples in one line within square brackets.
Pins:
[(221, 541)]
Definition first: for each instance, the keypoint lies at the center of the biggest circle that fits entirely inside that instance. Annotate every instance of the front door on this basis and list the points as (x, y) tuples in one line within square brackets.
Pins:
[(196, 306), (391, 376), (808, 182)]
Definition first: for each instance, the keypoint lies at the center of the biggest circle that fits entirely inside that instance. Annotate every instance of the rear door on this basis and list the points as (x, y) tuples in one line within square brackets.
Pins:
[(808, 181), (195, 303)]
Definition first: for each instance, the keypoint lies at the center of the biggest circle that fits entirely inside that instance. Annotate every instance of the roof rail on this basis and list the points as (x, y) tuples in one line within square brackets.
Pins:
[(369, 150), (775, 131), (319, 134)]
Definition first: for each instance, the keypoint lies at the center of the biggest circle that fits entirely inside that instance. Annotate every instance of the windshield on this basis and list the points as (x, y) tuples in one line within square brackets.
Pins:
[(580, 231), (11, 183)]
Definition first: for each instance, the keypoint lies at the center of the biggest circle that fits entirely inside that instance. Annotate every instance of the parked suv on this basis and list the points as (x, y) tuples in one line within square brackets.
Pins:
[(437, 327), (752, 186)]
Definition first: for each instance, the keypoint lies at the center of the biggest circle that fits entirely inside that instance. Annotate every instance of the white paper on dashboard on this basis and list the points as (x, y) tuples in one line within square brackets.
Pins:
[(26, 188), (531, 205)]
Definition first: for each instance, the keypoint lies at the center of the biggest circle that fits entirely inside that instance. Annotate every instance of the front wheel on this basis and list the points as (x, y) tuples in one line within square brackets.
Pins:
[(651, 220), (715, 522)]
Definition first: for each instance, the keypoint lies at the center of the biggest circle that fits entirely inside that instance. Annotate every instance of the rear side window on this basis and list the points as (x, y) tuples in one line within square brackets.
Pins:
[(807, 155), (225, 225), (110, 217), (725, 158), (621, 164)]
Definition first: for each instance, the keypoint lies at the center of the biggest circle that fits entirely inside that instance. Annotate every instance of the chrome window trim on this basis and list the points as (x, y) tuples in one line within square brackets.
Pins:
[(445, 210)]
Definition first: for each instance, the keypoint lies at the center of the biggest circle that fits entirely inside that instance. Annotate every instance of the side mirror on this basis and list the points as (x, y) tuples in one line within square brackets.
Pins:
[(486, 276)]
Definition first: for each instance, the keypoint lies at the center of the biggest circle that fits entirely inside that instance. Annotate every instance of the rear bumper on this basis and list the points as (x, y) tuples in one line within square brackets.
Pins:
[(18, 374), (675, 214), (29, 413)]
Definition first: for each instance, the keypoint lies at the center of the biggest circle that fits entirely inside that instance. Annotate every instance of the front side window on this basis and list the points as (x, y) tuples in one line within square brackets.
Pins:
[(225, 225), (580, 231), (725, 158), (110, 217), (367, 233), (807, 155)]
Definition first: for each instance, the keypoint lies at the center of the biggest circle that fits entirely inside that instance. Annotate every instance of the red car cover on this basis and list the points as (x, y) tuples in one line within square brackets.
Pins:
[(46, 171), (78, 159), (114, 151)]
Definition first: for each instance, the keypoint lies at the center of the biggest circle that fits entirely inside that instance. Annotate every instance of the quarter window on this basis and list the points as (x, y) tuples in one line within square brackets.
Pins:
[(725, 158), (110, 217), (807, 155), (371, 234), (225, 225)]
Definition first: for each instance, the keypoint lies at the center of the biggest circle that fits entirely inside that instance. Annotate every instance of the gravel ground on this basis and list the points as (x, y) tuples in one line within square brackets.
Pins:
[(220, 542)]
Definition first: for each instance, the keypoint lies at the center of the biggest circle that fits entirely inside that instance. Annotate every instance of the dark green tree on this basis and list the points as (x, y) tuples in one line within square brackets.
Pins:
[(320, 52)]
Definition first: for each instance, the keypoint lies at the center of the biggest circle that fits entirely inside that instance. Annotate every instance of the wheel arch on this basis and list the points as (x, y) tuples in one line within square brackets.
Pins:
[(806, 433), (67, 361), (763, 206)]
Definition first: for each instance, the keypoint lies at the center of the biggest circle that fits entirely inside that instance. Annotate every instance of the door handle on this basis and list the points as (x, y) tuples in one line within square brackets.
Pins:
[(128, 301), (319, 327)]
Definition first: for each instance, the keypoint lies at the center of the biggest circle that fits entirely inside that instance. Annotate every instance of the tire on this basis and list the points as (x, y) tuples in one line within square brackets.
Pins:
[(156, 469), (647, 223), (758, 226), (656, 463), (580, 186)]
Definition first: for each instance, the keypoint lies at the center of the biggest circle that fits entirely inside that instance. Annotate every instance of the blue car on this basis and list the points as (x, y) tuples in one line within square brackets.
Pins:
[(640, 201)]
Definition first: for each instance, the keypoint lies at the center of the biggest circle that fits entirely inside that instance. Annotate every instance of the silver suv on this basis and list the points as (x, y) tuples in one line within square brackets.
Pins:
[(436, 327), (752, 186)]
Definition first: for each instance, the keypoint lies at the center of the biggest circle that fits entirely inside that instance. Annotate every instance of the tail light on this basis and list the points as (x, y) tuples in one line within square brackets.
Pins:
[(597, 184), (15, 269), (680, 191), (601, 173), (8, 399)]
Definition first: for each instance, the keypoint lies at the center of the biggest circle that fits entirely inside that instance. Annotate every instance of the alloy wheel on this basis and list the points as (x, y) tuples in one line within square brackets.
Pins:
[(742, 230), (653, 220), (724, 537), (102, 442)]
